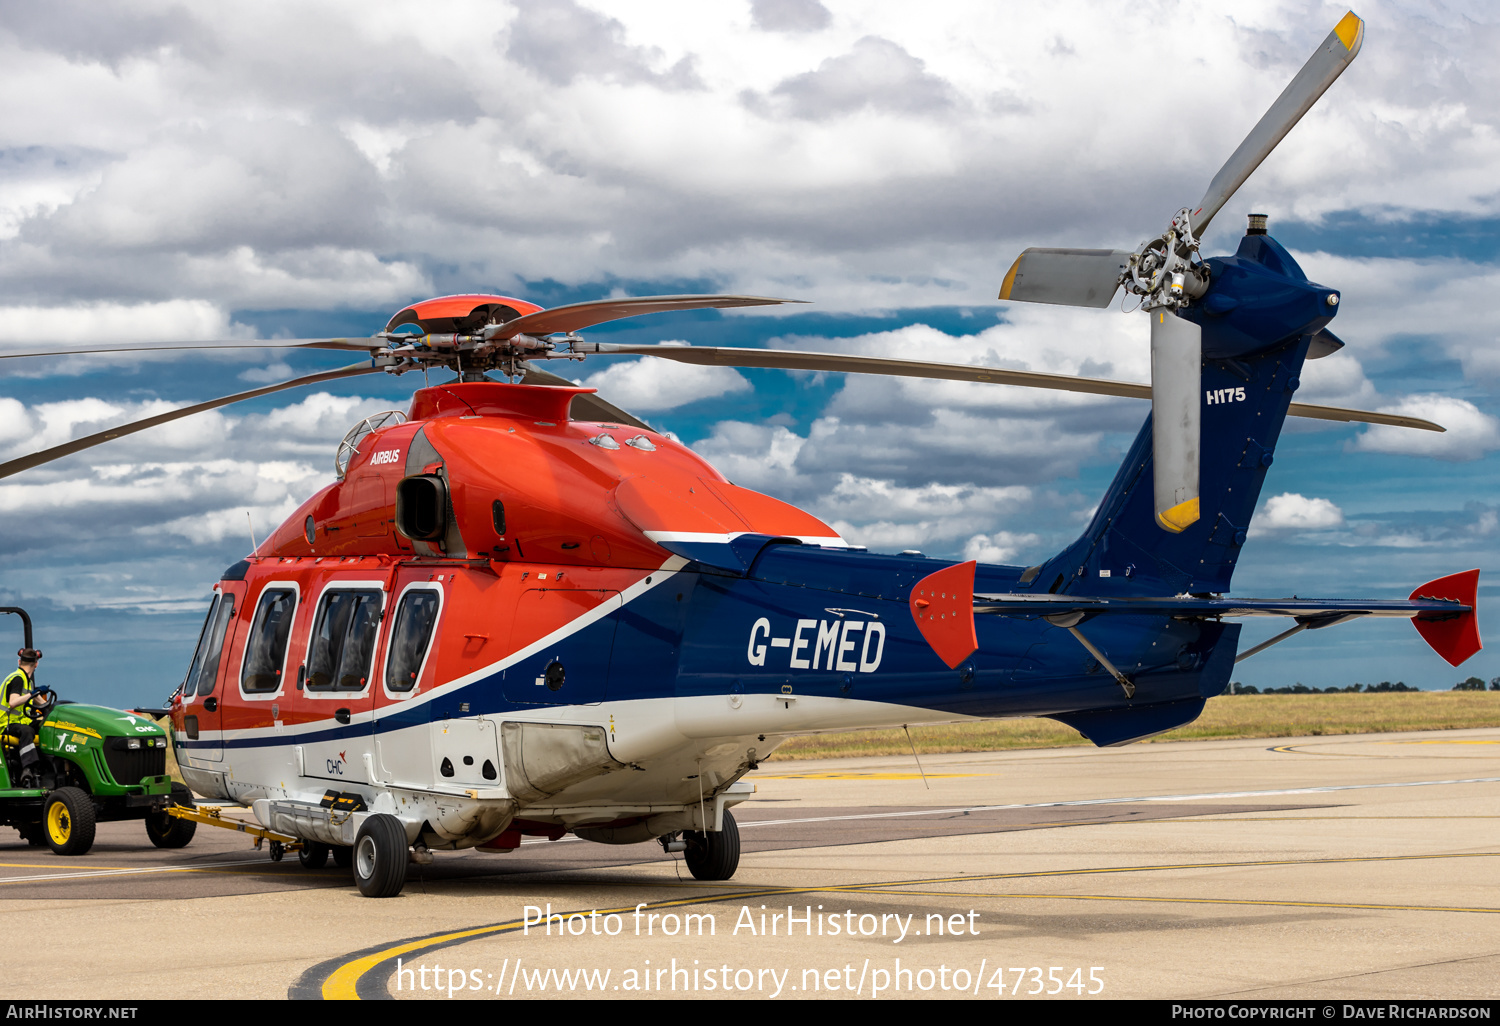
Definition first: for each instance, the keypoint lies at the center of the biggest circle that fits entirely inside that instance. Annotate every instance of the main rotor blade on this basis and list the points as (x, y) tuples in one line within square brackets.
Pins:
[(1065, 277), (74, 348), (57, 452), (583, 315), (585, 407), (1326, 64), (1176, 416), (842, 363)]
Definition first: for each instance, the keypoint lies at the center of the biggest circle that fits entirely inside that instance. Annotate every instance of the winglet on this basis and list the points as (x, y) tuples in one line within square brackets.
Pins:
[(1454, 636), (942, 604)]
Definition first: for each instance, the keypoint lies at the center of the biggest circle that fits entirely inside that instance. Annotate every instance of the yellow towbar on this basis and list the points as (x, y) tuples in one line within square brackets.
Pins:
[(212, 815)]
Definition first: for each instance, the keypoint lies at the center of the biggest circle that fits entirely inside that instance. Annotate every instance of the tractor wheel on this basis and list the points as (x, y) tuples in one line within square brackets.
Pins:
[(68, 819), (343, 855), (168, 831), (313, 855), (713, 856), (380, 857)]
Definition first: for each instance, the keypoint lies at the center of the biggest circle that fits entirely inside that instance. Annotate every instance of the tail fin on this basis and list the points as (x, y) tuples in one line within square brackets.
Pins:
[(1258, 319), (1123, 550)]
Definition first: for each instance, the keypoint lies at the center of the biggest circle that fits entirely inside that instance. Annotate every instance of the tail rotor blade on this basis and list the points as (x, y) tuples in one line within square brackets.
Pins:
[(1065, 277), (1176, 417), (1326, 64)]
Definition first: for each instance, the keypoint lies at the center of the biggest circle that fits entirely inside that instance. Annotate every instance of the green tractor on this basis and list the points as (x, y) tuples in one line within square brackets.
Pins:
[(95, 765)]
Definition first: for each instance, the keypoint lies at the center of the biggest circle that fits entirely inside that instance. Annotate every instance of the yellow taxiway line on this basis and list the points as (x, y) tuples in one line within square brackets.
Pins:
[(342, 984)]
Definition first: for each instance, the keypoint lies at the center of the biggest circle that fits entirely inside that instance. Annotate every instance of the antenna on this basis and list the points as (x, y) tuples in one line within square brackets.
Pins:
[(914, 756), (253, 543)]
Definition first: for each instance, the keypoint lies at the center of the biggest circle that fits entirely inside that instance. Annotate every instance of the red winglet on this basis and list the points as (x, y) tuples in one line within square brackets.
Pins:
[(1454, 638), (943, 606)]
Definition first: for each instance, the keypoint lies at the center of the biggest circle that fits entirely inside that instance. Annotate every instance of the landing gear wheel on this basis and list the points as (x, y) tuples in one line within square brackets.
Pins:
[(343, 856), (314, 855), (168, 831), (380, 857), (68, 820), (713, 856)]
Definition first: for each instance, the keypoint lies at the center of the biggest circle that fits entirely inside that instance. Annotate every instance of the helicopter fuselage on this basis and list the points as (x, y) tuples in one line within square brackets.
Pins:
[(500, 615)]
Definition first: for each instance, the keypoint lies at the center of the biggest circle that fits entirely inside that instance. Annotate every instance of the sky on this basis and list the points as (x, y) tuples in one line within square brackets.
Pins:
[(176, 171)]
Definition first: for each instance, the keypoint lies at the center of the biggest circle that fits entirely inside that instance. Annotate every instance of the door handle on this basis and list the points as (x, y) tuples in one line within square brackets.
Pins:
[(211, 704), (342, 715)]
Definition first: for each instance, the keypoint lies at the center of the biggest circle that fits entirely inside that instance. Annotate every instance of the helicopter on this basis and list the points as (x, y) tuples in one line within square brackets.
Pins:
[(519, 610)]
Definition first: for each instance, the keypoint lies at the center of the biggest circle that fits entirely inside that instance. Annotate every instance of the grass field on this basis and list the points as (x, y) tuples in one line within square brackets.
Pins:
[(1227, 716)]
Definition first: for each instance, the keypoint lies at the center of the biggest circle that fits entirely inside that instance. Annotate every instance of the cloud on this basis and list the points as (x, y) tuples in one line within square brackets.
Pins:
[(24, 327), (1470, 432), (269, 184), (875, 74), (649, 385), (561, 40), (1292, 512), (789, 15), (887, 517), (1000, 547), (280, 370), (108, 34)]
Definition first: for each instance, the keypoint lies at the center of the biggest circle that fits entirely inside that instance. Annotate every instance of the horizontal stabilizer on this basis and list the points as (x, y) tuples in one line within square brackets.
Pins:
[(1455, 638), (1431, 607)]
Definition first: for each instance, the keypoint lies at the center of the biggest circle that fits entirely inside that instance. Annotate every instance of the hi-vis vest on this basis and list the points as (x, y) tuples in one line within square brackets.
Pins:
[(6, 693)]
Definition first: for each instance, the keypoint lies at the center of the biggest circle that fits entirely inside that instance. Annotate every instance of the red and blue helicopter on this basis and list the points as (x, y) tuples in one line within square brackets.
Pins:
[(520, 610)]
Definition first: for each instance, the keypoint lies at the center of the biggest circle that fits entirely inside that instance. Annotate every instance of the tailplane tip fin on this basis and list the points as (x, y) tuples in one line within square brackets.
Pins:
[(1455, 636)]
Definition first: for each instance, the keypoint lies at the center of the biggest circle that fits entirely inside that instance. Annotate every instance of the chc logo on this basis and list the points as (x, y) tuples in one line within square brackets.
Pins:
[(823, 644)]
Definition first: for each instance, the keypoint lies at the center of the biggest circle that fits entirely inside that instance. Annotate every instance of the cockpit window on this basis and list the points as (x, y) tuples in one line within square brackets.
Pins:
[(343, 640), (266, 647), (189, 682), (206, 666)]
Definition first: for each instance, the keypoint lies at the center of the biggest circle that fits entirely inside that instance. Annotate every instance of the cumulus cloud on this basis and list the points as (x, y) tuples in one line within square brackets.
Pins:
[(1000, 547), (789, 15), (1292, 512), (1470, 432), (561, 40), (648, 385), (26, 327), (875, 74)]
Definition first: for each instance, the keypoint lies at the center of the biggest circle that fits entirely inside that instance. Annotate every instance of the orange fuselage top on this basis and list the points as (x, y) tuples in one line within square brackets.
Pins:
[(527, 483)]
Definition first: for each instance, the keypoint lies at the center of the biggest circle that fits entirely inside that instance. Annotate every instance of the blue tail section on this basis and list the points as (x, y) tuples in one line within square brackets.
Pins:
[(1258, 319)]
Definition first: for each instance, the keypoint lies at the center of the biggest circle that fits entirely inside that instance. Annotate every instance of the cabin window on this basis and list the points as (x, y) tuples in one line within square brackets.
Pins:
[(265, 649), (343, 640), (205, 669), (415, 619)]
